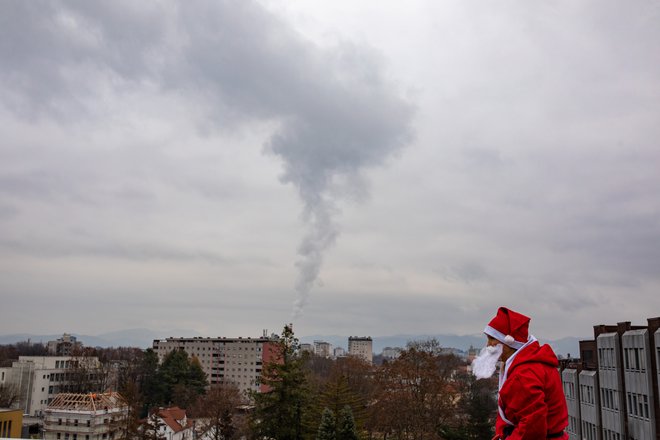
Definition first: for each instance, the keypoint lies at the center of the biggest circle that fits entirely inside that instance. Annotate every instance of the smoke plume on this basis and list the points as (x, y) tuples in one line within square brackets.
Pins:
[(360, 126)]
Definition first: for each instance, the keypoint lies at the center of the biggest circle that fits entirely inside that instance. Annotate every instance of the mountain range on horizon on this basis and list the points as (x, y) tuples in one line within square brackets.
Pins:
[(143, 338)]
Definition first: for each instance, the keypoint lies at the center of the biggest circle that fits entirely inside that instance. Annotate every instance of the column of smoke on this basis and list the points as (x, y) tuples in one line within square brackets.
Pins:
[(318, 149)]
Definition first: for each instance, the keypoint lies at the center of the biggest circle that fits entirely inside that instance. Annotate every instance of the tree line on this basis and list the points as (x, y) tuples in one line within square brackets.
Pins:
[(424, 394)]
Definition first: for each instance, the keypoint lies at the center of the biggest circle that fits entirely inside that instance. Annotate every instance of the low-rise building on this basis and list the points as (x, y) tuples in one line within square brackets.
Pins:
[(11, 422), (85, 417), (171, 423), (38, 379)]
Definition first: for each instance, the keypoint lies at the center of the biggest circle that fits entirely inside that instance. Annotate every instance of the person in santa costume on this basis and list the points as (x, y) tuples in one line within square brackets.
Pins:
[(531, 401)]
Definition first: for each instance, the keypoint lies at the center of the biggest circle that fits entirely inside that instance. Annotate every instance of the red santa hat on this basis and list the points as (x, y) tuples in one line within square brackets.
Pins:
[(509, 327)]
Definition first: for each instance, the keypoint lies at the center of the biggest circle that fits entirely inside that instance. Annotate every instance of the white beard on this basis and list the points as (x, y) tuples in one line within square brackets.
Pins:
[(484, 365)]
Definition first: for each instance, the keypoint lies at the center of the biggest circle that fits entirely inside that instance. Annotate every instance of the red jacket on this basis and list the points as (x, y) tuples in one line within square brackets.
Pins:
[(532, 396)]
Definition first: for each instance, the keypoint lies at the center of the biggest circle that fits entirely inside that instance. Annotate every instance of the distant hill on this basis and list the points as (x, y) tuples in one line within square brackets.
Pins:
[(137, 337), (561, 346), (143, 338)]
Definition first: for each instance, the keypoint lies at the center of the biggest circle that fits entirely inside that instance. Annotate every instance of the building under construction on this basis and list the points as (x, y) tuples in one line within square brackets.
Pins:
[(85, 417)]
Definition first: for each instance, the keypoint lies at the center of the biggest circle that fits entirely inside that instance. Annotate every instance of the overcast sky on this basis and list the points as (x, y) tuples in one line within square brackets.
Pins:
[(356, 167)]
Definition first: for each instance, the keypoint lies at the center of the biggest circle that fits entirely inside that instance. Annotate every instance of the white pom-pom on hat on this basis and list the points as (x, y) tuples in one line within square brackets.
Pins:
[(508, 340)]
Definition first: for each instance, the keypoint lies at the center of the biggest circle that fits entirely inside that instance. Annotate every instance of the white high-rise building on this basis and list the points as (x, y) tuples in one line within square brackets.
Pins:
[(361, 347), (322, 348)]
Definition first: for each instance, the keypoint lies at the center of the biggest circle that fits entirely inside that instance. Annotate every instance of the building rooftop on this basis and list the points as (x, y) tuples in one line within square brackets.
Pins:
[(175, 418), (86, 402)]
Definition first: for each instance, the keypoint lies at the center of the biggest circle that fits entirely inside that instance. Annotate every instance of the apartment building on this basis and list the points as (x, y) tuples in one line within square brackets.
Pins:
[(617, 383), (85, 417), (64, 346), (225, 360), (38, 379), (361, 346), (323, 349)]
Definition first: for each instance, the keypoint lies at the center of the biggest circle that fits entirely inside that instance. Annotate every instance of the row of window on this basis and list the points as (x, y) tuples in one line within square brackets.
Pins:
[(610, 435), (589, 431), (634, 359), (606, 359), (66, 364), (638, 405), (587, 394), (609, 398), (68, 436), (212, 348), (5, 429), (572, 427), (569, 390)]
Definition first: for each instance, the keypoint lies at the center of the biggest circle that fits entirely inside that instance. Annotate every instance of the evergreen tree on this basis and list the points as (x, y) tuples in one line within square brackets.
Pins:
[(346, 429), (328, 426), (182, 379), (150, 386), (280, 411)]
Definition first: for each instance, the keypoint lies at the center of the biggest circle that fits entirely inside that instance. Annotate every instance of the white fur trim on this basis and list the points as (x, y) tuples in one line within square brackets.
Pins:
[(508, 339), (490, 331)]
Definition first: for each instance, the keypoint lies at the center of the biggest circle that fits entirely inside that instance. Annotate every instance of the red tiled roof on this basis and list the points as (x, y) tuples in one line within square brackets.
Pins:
[(173, 416)]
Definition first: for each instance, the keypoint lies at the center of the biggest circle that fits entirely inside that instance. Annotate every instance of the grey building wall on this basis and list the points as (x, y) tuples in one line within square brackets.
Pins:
[(612, 392), (569, 378), (638, 379), (657, 372), (590, 405), (237, 360)]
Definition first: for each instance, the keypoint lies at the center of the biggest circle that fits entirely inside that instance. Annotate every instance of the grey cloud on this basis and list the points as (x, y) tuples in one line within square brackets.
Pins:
[(94, 247), (335, 112)]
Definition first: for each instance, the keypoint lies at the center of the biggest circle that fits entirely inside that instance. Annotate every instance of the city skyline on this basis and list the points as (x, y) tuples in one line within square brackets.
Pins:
[(375, 167)]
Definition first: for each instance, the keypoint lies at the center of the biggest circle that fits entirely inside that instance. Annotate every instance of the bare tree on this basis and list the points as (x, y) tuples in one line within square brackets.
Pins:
[(416, 396), (85, 373), (216, 413), (8, 395)]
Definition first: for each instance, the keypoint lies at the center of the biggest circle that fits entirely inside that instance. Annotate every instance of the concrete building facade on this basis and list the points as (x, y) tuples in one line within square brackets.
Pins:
[(67, 345), (589, 405), (638, 379), (362, 347), (323, 349), (610, 373), (618, 383), (236, 360), (569, 378), (38, 379)]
